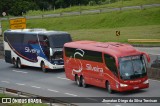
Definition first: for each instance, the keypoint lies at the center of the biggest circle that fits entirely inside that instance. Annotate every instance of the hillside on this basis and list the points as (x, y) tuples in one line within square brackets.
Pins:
[(118, 3), (132, 24)]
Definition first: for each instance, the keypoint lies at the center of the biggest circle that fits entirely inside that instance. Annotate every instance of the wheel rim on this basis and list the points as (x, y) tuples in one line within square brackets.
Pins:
[(83, 82), (43, 67), (19, 64), (109, 87), (77, 80), (14, 63)]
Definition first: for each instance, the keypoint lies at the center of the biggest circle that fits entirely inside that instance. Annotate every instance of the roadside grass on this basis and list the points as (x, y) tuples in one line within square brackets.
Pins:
[(109, 34), (120, 3), (18, 104), (96, 21), (134, 24), (3, 95)]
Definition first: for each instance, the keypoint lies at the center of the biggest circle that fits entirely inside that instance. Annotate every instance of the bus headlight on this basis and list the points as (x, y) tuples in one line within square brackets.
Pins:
[(123, 85), (145, 82)]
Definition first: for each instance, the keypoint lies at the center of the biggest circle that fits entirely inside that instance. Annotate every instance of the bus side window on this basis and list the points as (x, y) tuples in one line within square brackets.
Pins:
[(111, 64), (69, 52), (44, 43)]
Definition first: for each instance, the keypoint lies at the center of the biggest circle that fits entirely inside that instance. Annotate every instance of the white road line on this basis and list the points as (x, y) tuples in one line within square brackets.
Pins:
[(35, 87), (92, 99), (20, 71), (108, 103), (154, 80), (20, 84), (63, 78), (2, 59), (52, 90), (5, 81), (70, 94), (54, 104), (117, 105)]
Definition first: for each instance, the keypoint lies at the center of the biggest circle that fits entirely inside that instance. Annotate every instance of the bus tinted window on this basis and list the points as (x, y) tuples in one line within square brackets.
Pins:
[(57, 41), (43, 40), (85, 54), (15, 38), (69, 52), (30, 39), (111, 63)]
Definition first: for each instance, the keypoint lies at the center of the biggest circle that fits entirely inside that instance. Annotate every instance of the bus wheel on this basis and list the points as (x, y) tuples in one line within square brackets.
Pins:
[(14, 63), (19, 63), (83, 82), (109, 88), (78, 81), (43, 67)]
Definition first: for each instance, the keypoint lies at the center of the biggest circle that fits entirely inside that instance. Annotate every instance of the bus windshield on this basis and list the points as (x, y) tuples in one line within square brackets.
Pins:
[(59, 40), (132, 67)]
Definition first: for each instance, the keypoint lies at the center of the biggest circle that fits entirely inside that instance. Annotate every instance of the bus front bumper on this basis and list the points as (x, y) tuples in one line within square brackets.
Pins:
[(133, 87)]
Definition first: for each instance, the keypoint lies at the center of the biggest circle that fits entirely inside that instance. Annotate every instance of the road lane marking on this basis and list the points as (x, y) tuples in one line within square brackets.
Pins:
[(63, 78), (35, 87), (5, 81), (154, 80), (108, 103), (20, 84), (52, 90), (54, 104), (70, 94), (117, 105), (2, 59), (20, 71), (92, 99)]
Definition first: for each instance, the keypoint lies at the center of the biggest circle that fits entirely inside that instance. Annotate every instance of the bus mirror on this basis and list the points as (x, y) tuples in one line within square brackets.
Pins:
[(51, 51), (147, 56)]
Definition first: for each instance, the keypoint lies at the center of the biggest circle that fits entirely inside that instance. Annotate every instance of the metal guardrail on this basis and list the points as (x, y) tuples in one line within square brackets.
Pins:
[(44, 99), (92, 11)]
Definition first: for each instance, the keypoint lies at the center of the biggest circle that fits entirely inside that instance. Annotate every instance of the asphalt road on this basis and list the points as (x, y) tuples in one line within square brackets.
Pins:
[(55, 84)]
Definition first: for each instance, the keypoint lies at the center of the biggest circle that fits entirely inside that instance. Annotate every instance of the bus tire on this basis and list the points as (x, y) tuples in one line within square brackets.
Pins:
[(43, 67), (108, 86), (19, 65), (14, 62), (78, 82), (83, 82)]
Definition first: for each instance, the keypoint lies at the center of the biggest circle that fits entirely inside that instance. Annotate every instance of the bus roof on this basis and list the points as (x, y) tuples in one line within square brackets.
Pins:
[(35, 31), (112, 48)]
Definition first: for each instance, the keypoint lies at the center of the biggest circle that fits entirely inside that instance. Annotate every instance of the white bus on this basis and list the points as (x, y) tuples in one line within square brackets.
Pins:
[(35, 47)]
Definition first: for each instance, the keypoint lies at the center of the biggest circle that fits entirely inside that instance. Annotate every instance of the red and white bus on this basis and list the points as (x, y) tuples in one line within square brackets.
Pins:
[(115, 66)]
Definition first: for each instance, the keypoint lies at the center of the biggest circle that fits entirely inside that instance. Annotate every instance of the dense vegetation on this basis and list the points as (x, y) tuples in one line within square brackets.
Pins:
[(20, 7)]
